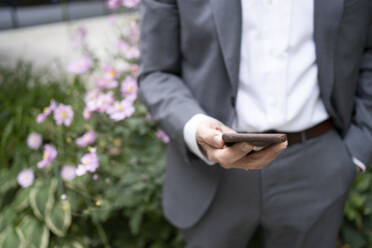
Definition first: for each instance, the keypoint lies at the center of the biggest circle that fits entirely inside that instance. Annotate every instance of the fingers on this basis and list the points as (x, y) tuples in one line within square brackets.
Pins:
[(260, 159), (209, 150), (210, 132), (230, 154), (227, 156), (209, 136)]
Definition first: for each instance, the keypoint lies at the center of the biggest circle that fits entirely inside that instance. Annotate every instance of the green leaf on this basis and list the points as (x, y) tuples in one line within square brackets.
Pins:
[(6, 218), (369, 202), (7, 181), (42, 198), (368, 223), (353, 238), (76, 201), (6, 134), (358, 199), (58, 219), (136, 220), (73, 244), (10, 239), (34, 233), (364, 182), (21, 199)]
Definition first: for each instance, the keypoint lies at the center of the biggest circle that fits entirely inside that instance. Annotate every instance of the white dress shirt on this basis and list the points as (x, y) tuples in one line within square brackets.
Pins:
[(278, 81)]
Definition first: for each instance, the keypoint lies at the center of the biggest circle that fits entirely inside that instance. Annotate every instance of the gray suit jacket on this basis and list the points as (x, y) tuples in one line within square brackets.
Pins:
[(190, 52)]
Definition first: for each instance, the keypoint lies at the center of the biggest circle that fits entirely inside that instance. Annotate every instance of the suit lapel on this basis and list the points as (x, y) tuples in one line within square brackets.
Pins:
[(327, 18), (227, 16)]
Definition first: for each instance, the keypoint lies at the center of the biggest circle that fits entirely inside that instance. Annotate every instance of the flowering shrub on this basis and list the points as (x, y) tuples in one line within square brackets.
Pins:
[(93, 160)]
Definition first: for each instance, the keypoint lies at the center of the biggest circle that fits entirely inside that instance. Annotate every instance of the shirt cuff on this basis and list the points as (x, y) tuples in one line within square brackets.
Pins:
[(360, 164), (189, 134)]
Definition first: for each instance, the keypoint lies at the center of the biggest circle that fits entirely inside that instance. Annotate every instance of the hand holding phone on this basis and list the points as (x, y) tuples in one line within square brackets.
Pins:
[(223, 145)]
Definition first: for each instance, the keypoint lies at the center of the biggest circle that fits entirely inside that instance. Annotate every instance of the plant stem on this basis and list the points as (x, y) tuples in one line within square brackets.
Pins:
[(61, 152), (102, 233)]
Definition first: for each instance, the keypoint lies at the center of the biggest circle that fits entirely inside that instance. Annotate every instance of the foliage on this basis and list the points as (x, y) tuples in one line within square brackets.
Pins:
[(119, 209), (357, 227), (118, 205)]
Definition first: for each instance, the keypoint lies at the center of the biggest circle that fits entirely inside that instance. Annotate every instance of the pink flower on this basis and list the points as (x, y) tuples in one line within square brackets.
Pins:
[(87, 139), (91, 99), (134, 70), (50, 153), (108, 81), (134, 31), (132, 52), (68, 172), (148, 117), (34, 141), (130, 3), (131, 98), (63, 114), (78, 37), (122, 45), (121, 110), (113, 4), (110, 72), (162, 135), (81, 65), (47, 110), (129, 87), (89, 163), (26, 178), (104, 101), (81, 32), (87, 114), (97, 101)]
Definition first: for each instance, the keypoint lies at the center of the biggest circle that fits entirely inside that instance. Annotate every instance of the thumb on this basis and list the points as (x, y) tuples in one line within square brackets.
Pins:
[(212, 136)]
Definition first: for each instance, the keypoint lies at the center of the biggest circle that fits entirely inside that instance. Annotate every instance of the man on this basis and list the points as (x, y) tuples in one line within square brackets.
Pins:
[(302, 67)]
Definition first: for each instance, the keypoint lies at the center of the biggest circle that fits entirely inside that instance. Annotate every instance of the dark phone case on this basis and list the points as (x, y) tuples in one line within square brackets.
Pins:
[(257, 139)]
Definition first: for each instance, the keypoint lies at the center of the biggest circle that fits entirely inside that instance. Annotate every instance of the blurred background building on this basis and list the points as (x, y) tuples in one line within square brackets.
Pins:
[(36, 30), (23, 13)]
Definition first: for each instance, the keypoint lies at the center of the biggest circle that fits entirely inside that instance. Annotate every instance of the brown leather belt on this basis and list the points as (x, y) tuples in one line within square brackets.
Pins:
[(297, 137)]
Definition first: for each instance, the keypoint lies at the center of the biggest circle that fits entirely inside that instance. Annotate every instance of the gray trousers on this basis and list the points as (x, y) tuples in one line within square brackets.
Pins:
[(298, 200)]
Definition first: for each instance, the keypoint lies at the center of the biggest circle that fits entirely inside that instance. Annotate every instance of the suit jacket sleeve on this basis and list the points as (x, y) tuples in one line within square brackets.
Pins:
[(359, 136), (161, 88)]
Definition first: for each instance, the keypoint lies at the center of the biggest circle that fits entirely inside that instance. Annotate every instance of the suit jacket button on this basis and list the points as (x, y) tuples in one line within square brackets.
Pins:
[(232, 101)]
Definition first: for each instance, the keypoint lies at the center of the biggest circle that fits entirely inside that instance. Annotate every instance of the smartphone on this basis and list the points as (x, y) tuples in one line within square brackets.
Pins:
[(256, 139)]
